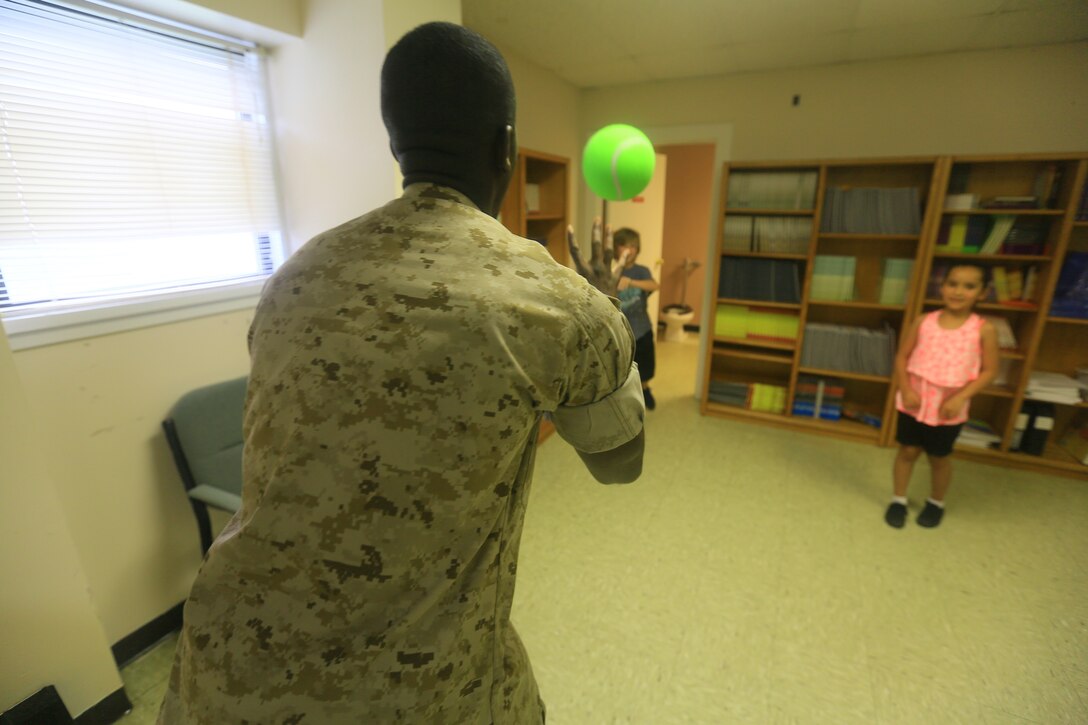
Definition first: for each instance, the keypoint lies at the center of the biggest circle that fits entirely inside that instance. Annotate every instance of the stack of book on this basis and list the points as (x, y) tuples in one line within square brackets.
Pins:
[(1011, 202), (895, 283), (772, 235), (849, 349), (737, 233), (1027, 236), (818, 397), (1000, 234), (999, 230), (772, 189), (978, 434), (961, 234), (833, 278), (762, 280), (760, 324), (872, 211), (1014, 286), (1056, 388), (752, 396)]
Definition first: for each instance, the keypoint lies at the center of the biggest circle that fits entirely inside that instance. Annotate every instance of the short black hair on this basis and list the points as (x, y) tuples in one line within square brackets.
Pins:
[(445, 87), (983, 270), (627, 237)]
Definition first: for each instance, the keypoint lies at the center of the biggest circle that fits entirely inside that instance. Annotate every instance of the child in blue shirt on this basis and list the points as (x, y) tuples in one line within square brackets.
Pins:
[(635, 287)]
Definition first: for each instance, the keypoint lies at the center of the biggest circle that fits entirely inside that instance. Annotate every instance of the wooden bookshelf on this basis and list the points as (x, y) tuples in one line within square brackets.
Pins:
[(547, 222), (1045, 342)]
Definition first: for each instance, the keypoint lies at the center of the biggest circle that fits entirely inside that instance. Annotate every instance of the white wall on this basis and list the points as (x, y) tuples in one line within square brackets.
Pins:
[(548, 118), (48, 626), (1001, 101)]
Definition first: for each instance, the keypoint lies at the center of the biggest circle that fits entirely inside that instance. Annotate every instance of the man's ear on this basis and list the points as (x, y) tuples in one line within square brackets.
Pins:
[(506, 149), (393, 150)]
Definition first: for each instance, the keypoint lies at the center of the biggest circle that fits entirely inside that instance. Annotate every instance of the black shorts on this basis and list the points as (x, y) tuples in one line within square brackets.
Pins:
[(644, 356), (935, 440)]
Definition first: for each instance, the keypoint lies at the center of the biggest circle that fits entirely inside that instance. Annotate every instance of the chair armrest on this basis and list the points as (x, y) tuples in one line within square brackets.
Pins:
[(216, 497)]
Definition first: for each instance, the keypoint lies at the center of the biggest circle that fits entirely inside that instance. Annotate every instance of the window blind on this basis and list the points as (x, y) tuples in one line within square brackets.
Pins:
[(132, 158)]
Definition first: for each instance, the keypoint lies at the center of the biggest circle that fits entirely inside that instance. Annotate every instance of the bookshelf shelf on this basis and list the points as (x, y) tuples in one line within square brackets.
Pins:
[(753, 355), (757, 303), (764, 255), (857, 305), (845, 374), (771, 212), (842, 427), (544, 216), (756, 343), (1081, 404), (828, 191), (998, 391), (732, 411), (991, 306), (994, 257), (1008, 212), (871, 237)]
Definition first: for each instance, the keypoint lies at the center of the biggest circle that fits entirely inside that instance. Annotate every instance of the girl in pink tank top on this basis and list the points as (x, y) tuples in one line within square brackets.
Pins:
[(944, 359)]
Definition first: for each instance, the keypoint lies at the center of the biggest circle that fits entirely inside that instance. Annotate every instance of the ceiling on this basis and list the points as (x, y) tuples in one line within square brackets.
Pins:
[(592, 43)]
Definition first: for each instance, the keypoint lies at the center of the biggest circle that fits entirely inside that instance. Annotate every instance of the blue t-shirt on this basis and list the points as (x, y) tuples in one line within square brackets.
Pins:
[(633, 301)]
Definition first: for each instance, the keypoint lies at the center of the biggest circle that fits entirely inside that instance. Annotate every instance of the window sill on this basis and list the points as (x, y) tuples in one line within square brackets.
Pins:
[(37, 328)]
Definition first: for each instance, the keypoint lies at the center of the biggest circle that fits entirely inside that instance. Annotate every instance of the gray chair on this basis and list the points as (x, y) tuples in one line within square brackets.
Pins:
[(204, 430)]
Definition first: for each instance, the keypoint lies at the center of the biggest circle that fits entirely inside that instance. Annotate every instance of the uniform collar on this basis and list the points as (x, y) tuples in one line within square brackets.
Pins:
[(428, 190)]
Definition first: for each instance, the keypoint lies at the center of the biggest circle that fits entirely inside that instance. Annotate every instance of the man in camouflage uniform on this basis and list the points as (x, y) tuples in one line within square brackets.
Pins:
[(401, 365)]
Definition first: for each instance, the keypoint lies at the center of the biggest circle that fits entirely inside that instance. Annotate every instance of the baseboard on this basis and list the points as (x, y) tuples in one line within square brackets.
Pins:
[(107, 711), (131, 646), (45, 707), (688, 328)]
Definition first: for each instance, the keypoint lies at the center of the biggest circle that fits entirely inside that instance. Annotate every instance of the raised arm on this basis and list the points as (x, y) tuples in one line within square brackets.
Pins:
[(599, 271)]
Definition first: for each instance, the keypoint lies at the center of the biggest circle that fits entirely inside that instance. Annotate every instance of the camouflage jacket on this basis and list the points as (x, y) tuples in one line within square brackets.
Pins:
[(401, 364)]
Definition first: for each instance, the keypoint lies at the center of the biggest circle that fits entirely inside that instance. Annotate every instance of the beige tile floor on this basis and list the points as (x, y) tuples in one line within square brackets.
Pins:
[(749, 577)]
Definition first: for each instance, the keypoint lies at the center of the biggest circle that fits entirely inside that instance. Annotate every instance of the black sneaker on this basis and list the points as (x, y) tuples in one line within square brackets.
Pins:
[(930, 516), (896, 515), (649, 398)]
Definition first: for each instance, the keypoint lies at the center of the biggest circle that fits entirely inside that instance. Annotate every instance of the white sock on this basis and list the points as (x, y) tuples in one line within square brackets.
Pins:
[(899, 499), (938, 504)]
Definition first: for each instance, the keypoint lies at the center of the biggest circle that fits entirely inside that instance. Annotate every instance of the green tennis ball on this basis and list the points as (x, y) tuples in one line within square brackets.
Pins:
[(618, 162)]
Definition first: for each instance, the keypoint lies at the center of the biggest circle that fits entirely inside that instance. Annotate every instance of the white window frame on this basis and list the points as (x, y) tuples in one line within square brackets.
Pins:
[(65, 322)]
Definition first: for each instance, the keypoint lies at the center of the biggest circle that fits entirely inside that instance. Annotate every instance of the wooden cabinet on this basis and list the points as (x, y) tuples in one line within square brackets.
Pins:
[(821, 265), (536, 202)]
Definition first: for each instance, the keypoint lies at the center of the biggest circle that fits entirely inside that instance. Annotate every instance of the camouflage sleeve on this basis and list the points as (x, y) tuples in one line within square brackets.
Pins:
[(606, 424), (603, 406)]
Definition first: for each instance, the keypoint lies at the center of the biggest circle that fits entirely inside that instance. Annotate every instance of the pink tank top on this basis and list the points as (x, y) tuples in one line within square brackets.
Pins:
[(942, 362)]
